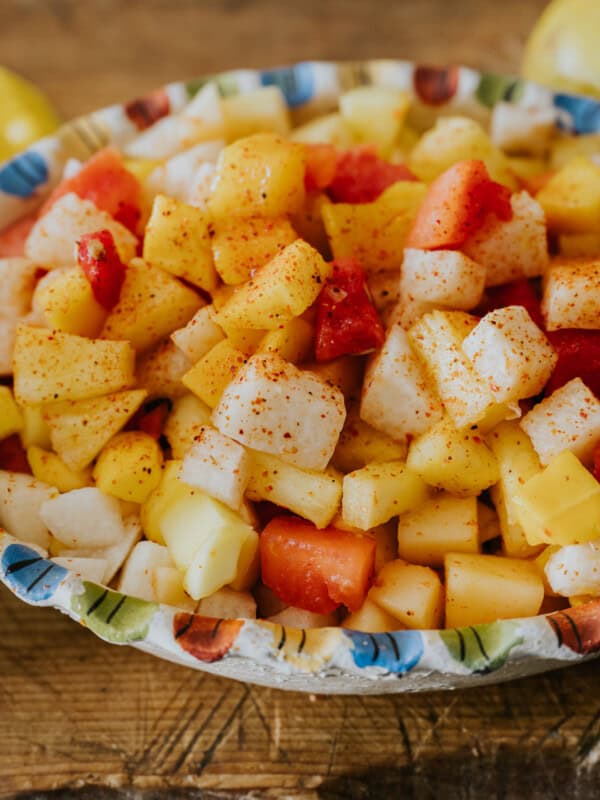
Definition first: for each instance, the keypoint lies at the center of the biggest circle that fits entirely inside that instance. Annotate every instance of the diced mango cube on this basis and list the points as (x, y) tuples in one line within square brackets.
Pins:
[(370, 618), (66, 302), (571, 198), (292, 341), (169, 492), (214, 372), (51, 469), (360, 444), (375, 114), (129, 467), (412, 594), (256, 111), (11, 417)]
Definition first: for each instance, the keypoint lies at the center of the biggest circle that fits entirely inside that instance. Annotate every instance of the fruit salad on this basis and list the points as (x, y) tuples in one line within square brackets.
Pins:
[(341, 372)]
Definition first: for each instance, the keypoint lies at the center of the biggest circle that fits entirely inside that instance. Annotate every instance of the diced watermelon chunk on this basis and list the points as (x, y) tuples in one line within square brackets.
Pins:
[(361, 176), (578, 357), (516, 293), (98, 258), (12, 455), (317, 570), (347, 320), (12, 239), (151, 417)]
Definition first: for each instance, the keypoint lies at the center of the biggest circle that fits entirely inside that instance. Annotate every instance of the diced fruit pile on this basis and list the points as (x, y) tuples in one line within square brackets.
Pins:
[(342, 373)]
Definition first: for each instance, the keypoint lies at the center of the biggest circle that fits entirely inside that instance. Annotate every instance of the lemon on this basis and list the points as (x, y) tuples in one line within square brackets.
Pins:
[(25, 114), (562, 50)]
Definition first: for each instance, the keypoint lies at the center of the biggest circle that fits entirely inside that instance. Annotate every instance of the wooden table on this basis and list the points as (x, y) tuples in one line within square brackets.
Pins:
[(77, 714)]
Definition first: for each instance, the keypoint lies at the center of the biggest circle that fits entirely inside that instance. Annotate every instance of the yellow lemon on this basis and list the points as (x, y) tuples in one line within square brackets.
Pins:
[(25, 114)]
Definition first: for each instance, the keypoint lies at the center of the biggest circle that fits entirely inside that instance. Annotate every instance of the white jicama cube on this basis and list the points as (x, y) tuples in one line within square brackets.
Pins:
[(443, 277), (313, 495), (406, 311), (227, 604), (53, 239), (522, 129), (167, 585), (176, 178), (84, 518), (510, 353), (438, 337), (575, 570), (512, 249), (397, 397), (274, 407), (376, 493), (444, 524), (21, 499), (160, 371), (218, 465), (199, 336), (571, 296), (137, 577), (567, 420), (114, 555), (88, 569), (17, 282), (187, 418)]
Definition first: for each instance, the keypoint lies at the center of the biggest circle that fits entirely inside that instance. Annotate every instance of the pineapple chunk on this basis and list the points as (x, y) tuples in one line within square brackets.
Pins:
[(376, 493), (11, 416), (561, 504), (84, 518), (444, 524), (51, 469), (374, 233), (284, 288), (315, 496), (257, 111), (65, 299), (567, 420), (129, 467), (293, 341), (442, 277), (579, 245), (167, 587), (35, 430), (80, 429), (53, 239), (177, 240), (205, 539), (571, 198), (566, 148), (370, 618), (260, 175), (228, 604), (360, 444), (199, 336), (375, 114), (217, 465), (151, 306), (274, 407), (187, 418), (17, 282), (329, 128), (575, 570), (137, 576), (160, 371), (50, 366), (241, 246), (483, 589), (517, 462), (571, 296), (21, 498), (510, 354), (248, 565), (437, 337), (412, 594), (455, 460), (454, 139), (168, 492), (209, 378), (345, 373), (488, 522), (397, 398), (300, 618), (511, 249)]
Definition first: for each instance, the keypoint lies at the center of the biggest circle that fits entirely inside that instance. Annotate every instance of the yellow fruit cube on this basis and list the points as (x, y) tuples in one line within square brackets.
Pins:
[(579, 245), (375, 114), (169, 492), (187, 418), (370, 618), (517, 462), (443, 524), (378, 492), (345, 373), (571, 198), (328, 128), (374, 233), (260, 175), (360, 444), (66, 301), (483, 588), (209, 377), (11, 417), (159, 371), (561, 504), (310, 494), (257, 111), (50, 366), (284, 288), (151, 306), (167, 586), (571, 296), (242, 245), (540, 563), (412, 594), (129, 467), (292, 341), (457, 461), (308, 222), (35, 430), (51, 469)]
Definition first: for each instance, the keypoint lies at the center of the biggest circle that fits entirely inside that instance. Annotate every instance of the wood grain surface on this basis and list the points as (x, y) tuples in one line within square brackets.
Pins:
[(83, 719)]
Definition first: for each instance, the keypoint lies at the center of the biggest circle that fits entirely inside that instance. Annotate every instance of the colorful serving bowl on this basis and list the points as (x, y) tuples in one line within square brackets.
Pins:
[(325, 660)]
